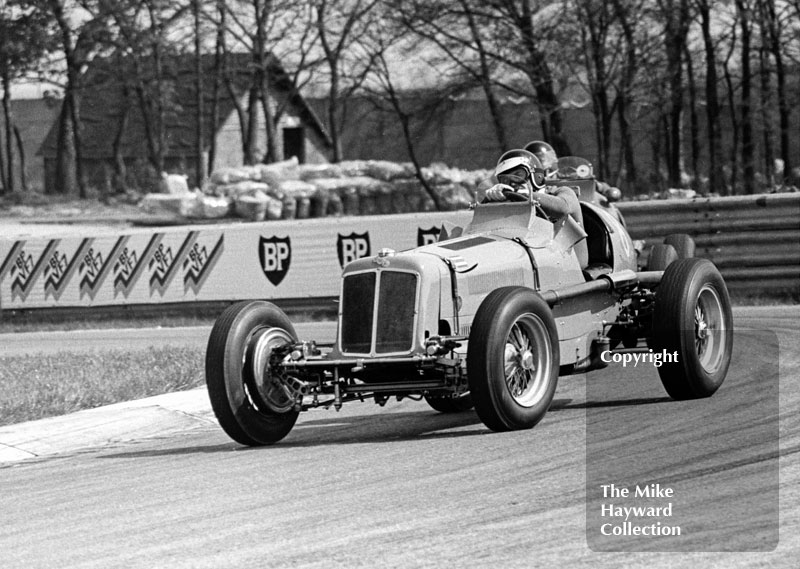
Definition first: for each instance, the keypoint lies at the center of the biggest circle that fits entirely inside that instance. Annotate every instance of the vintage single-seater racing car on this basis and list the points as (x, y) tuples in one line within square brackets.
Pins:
[(489, 316)]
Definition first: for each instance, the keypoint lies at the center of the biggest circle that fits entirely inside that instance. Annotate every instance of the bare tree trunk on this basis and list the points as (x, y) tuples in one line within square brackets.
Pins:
[(765, 104), (677, 27), (712, 101), (485, 79), (8, 181), (252, 125), (541, 78), (199, 145), (748, 145), (219, 68), (120, 171), (23, 176), (694, 124), (269, 120), (780, 75), (735, 126), (65, 154), (71, 94), (2, 169), (624, 97)]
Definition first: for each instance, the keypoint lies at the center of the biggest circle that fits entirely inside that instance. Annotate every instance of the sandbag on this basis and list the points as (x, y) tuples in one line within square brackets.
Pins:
[(310, 172), (175, 184), (296, 187), (277, 172), (243, 188), (319, 203), (213, 207), (335, 206), (353, 168), (224, 176), (388, 171), (168, 204)]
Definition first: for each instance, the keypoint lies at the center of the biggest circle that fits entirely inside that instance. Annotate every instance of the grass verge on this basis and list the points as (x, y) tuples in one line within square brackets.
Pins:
[(35, 387)]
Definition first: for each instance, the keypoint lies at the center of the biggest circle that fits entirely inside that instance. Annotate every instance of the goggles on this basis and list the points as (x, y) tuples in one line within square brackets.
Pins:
[(514, 178)]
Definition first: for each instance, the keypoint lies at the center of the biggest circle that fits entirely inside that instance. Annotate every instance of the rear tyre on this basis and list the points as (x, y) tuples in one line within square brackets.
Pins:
[(683, 244), (513, 359), (445, 404), (661, 256), (692, 317), (246, 397)]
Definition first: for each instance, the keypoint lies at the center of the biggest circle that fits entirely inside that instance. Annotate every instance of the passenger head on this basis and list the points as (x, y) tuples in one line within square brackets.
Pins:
[(517, 168), (546, 155)]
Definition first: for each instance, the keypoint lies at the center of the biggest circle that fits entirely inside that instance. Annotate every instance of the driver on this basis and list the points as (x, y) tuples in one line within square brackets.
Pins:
[(520, 171), (546, 155)]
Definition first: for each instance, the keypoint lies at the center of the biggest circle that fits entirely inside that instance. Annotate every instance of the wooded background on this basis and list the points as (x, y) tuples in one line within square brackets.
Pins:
[(675, 93)]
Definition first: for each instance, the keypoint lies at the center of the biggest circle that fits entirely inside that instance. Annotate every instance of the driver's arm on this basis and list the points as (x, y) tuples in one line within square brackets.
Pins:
[(561, 203)]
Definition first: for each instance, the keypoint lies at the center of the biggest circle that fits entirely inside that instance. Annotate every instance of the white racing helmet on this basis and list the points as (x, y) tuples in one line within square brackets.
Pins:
[(514, 159)]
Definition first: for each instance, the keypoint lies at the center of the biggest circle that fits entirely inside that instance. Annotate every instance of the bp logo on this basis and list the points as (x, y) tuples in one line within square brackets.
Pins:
[(276, 256), (427, 236), (352, 247)]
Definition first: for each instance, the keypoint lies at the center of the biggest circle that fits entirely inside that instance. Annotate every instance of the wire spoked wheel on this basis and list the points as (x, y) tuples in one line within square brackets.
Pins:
[(693, 327), (709, 329), (246, 393), (512, 359), (263, 385), (528, 360)]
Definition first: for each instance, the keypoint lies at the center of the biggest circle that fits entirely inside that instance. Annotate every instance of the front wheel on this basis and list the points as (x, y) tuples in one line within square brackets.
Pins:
[(448, 404), (692, 320), (513, 359), (247, 395)]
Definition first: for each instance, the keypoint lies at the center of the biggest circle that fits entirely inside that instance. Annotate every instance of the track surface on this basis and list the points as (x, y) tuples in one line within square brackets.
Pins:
[(404, 486)]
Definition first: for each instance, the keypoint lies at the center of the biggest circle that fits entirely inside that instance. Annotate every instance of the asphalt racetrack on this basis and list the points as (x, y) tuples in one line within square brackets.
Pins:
[(404, 486)]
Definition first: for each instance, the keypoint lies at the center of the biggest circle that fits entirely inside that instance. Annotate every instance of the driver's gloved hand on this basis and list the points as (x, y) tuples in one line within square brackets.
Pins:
[(495, 193)]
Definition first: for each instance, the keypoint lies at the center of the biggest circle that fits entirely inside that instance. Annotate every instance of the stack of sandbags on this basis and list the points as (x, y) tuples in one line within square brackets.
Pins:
[(288, 190), (173, 197), (296, 197)]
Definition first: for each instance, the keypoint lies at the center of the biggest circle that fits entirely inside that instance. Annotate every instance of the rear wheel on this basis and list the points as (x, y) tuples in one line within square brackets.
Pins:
[(661, 256), (447, 404), (683, 244), (246, 394), (692, 319), (513, 359)]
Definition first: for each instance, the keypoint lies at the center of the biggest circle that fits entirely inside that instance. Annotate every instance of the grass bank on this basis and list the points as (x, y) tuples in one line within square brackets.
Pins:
[(38, 386)]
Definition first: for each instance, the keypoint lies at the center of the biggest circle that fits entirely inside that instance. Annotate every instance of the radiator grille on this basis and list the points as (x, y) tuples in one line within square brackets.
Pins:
[(393, 323)]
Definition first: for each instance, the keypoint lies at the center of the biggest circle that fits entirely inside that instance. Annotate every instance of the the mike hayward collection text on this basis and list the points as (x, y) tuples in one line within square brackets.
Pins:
[(637, 520)]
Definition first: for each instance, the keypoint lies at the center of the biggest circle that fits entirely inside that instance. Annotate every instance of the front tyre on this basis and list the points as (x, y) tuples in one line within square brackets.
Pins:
[(692, 318), (448, 404), (247, 397), (513, 359)]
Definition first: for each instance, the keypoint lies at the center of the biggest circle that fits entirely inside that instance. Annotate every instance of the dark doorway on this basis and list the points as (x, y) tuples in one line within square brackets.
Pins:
[(294, 144)]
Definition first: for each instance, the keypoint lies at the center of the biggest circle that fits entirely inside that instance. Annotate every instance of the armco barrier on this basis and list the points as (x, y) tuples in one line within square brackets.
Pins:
[(754, 240)]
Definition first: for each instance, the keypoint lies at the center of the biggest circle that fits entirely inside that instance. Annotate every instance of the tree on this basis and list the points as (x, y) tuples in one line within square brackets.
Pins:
[(25, 37), (276, 35), (676, 18), (141, 36), (713, 126), (528, 28), (341, 25), (598, 53), (744, 15), (463, 32)]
